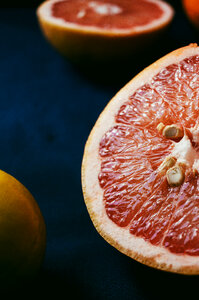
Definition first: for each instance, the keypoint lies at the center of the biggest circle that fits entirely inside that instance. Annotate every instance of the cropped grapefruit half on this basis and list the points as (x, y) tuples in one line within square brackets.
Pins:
[(102, 29), (140, 170)]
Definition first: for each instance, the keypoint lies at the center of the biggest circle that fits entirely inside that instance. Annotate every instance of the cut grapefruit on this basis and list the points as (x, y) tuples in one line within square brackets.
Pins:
[(140, 170), (102, 29)]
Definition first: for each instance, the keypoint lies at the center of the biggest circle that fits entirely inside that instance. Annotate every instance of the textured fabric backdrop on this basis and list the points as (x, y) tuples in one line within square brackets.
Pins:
[(47, 109)]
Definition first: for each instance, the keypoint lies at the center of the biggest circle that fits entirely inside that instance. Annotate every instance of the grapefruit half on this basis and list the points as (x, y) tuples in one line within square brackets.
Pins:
[(102, 29), (140, 170)]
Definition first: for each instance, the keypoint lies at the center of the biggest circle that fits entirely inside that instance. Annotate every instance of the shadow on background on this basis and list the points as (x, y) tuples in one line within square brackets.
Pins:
[(57, 106), (156, 284), (50, 284), (118, 73)]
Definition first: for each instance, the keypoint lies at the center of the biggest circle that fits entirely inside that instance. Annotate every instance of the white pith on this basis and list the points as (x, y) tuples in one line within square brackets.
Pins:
[(185, 153), (45, 12), (104, 9), (131, 245)]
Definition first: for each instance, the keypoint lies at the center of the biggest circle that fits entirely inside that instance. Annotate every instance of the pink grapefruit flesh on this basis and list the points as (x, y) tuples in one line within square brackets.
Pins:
[(107, 14), (131, 154), (97, 30), (131, 204)]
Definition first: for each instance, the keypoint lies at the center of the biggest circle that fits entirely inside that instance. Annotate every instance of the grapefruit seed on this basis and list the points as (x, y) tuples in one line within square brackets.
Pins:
[(172, 132), (175, 176), (160, 127), (151, 217), (166, 165)]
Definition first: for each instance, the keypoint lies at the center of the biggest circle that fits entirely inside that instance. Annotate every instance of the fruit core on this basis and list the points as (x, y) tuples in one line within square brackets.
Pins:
[(136, 196), (107, 14)]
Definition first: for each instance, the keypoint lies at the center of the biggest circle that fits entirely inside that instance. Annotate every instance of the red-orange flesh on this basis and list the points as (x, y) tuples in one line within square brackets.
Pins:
[(120, 14), (135, 196)]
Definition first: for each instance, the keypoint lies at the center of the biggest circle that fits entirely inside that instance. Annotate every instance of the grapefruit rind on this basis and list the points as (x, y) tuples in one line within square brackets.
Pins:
[(134, 247), (44, 12), (78, 41)]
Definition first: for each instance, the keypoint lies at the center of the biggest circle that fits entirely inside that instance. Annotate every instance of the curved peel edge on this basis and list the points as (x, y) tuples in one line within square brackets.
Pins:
[(132, 246)]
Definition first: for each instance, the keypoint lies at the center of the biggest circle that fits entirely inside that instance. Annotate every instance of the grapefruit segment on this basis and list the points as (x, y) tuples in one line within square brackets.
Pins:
[(182, 235), (102, 29), (145, 211), (177, 84), (131, 111), (153, 217)]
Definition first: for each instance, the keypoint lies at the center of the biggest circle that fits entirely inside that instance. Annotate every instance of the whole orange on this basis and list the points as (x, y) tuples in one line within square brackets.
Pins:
[(22, 232), (191, 8)]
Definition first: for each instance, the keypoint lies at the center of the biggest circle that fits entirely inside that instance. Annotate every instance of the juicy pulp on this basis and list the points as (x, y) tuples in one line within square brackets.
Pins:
[(135, 196), (121, 14)]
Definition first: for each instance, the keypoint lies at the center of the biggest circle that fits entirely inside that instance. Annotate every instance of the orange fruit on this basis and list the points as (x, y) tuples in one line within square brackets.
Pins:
[(22, 232), (102, 29), (140, 169), (191, 8)]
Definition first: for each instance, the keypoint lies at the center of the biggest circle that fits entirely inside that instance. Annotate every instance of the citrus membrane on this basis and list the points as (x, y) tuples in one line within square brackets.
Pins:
[(131, 152), (147, 184)]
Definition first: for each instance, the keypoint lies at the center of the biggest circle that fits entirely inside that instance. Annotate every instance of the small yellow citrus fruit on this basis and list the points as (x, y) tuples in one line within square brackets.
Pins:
[(22, 231)]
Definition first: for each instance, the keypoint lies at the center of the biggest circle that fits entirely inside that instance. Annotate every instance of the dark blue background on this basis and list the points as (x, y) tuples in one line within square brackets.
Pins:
[(47, 109)]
